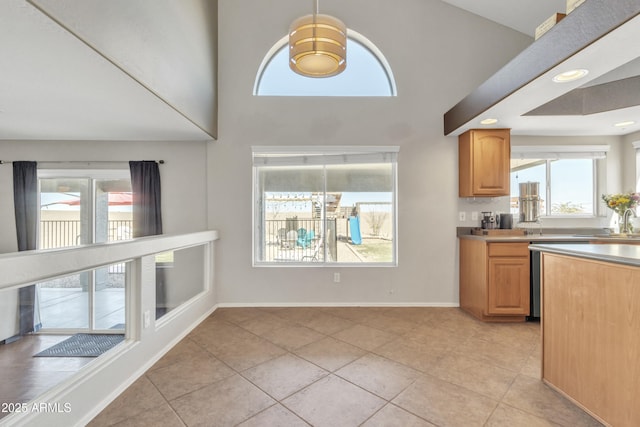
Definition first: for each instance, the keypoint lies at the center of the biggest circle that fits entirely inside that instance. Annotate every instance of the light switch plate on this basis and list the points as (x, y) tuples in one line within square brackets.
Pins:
[(147, 319)]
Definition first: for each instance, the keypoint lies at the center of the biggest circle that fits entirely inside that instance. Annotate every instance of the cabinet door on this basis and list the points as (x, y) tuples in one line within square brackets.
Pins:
[(484, 157), (508, 287), (491, 162)]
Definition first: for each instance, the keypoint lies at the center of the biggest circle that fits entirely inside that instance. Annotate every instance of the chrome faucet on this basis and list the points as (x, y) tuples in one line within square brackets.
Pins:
[(625, 229)]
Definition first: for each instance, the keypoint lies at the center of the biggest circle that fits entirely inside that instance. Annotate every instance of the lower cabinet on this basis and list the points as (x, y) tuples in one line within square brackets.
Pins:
[(495, 280), (590, 339)]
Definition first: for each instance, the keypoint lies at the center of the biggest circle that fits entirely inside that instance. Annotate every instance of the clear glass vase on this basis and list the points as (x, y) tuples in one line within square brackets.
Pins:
[(625, 225)]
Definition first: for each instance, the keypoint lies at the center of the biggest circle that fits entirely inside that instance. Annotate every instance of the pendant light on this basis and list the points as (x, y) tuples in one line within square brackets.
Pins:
[(318, 45)]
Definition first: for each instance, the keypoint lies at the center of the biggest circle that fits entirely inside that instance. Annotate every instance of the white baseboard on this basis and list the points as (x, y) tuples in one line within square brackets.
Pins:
[(336, 304), (99, 407)]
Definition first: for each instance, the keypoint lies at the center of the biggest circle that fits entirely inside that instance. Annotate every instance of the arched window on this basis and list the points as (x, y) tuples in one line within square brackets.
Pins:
[(367, 74)]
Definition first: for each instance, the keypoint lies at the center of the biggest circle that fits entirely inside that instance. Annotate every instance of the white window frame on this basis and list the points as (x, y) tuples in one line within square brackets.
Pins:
[(636, 145), (320, 155), (561, 152)]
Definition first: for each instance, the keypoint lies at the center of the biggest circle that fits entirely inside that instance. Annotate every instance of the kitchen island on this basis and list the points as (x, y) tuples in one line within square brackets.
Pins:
[(591, 327)]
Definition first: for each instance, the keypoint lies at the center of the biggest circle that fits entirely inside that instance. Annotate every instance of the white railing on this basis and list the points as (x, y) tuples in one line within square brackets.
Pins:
[(94, 386)]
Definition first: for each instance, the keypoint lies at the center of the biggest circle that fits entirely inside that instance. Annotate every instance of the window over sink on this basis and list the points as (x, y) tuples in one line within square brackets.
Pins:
[(567, 177)]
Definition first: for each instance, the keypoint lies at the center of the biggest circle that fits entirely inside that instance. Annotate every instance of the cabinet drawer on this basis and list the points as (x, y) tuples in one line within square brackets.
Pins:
[(509, 249)]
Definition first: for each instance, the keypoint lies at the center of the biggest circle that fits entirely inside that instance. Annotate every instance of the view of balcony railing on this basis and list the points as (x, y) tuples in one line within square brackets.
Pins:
[(59, 234), (65, 233), (299, 240)]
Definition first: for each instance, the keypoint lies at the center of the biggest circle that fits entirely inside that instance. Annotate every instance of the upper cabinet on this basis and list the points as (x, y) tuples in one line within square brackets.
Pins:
[(483, 163)]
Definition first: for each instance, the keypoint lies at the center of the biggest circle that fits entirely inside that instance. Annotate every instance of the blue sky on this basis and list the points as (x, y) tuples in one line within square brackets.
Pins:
[(571, 181)]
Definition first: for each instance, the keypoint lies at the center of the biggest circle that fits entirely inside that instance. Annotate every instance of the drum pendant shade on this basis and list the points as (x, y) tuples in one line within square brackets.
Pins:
[(318, 46)]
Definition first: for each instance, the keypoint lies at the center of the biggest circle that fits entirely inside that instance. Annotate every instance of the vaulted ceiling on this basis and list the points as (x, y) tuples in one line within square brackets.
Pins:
[(108, 70), (138, 69), (521, 15)]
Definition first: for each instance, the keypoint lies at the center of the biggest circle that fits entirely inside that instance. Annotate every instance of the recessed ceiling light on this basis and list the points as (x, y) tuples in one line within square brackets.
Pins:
[(571, 75), (488, 121), (625, 124)]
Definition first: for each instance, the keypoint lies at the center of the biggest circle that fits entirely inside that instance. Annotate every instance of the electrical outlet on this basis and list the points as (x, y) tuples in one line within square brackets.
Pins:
[(462, 216), (474, 216), (336, 277)]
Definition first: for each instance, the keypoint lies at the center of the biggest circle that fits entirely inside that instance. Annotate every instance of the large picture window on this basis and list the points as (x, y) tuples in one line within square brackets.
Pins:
[(324, 205)]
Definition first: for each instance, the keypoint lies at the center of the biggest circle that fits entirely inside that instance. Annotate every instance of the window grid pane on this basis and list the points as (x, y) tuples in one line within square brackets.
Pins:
[(328, 214), (571, 187), (566, 185)]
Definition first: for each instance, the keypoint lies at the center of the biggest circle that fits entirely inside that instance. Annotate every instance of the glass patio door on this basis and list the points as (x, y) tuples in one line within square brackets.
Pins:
[(76, 211)]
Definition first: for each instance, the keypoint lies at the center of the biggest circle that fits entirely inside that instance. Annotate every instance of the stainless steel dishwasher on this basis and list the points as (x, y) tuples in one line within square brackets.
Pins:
[(536, 279)]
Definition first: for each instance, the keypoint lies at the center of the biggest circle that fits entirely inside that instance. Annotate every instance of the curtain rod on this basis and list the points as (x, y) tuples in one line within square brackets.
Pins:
[(2, 162)]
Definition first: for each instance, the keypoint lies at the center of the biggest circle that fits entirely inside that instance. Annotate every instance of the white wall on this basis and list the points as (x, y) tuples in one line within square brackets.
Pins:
[(438, 54), (8, 243), (630, 176)]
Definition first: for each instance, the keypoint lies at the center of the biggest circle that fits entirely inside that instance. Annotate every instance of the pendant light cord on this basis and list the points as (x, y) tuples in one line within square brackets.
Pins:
[(315, 14)]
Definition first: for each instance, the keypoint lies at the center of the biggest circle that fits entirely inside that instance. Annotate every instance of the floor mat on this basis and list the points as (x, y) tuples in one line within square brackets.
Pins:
[(83, 345)]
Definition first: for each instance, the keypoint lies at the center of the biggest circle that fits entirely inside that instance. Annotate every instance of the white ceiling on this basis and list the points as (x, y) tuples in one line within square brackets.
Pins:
[(521, 15), (97, 85), (91, 69)]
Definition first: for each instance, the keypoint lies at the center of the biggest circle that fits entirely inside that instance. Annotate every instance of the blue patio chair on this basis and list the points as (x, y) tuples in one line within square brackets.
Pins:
[(305, 237)]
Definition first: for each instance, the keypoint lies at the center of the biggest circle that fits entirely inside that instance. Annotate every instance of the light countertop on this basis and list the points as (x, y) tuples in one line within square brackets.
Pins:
[(555, 235), (619, 253), (533, 238)]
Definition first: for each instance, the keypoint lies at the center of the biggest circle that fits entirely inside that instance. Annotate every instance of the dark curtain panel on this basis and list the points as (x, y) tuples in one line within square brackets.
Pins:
[(147, 215), (25, 195), (145, 184)]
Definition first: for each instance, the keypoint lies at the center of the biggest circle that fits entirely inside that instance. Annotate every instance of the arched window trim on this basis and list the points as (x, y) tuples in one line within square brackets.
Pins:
[(351, 34)]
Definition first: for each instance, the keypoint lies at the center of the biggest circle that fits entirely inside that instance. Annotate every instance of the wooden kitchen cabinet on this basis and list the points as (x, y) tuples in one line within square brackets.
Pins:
[(495, 280), (484, 158)]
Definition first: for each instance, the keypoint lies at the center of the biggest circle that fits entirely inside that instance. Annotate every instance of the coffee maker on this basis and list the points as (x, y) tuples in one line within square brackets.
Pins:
[(490, 220)]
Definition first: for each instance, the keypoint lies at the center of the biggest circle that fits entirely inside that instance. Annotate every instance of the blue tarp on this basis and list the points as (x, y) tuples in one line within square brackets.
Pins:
[(354, 229)]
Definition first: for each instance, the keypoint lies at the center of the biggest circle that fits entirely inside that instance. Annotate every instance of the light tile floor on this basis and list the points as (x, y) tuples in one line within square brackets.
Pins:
[(343, 367), (25, 377)]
